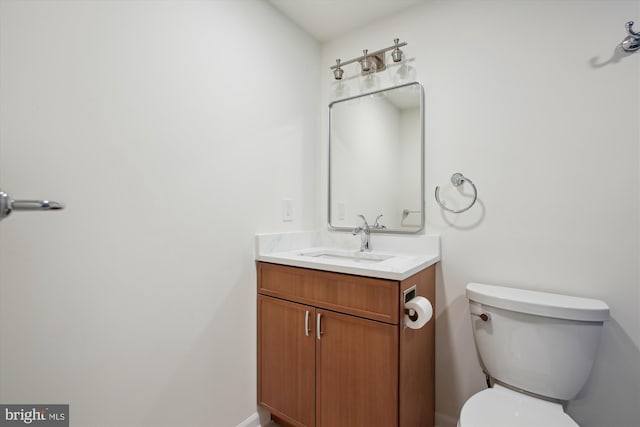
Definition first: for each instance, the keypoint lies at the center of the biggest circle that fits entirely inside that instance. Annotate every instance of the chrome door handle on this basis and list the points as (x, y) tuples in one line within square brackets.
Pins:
[(35, 205), (318, 331), (7, 205), (306, 324)]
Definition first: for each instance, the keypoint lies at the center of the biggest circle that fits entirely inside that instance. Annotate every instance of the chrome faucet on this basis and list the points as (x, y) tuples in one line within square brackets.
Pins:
[(365, 232)]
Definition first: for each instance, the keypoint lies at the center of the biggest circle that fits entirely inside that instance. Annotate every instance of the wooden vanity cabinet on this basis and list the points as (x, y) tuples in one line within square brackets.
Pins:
[(356, 372), (332, 350), (286, 360)]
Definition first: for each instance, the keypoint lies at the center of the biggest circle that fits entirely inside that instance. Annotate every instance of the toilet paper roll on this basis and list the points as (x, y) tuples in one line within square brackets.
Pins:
[(420, 312)]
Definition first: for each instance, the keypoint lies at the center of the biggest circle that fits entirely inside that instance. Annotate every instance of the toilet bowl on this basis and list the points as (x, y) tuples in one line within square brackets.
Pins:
[(502, 407), (537, 347)]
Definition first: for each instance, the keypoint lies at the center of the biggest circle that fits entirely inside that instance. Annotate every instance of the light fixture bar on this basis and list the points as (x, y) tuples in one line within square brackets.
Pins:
[(378, 57)]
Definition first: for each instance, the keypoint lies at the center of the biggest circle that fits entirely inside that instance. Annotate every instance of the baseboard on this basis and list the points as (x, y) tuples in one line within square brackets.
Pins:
[(443, 420), (252, 421), (260, 418)]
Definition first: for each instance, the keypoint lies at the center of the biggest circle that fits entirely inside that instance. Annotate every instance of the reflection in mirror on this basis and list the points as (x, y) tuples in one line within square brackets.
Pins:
[(376, 160)]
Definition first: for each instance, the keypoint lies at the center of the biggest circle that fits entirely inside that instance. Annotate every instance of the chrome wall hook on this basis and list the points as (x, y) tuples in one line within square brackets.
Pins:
[(631, 43), (457, 179)]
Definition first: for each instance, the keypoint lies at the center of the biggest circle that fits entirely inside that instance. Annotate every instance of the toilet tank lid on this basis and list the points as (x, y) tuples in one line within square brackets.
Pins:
[(539, 303)]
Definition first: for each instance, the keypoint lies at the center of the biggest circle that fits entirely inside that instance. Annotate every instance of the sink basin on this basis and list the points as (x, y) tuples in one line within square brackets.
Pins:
[(359, 257)]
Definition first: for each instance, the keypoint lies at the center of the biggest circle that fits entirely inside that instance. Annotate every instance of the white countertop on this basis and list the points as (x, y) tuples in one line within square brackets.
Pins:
[(394, 257)]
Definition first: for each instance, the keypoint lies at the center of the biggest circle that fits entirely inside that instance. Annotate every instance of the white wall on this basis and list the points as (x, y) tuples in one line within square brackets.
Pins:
[(528, 99), (172, 130)]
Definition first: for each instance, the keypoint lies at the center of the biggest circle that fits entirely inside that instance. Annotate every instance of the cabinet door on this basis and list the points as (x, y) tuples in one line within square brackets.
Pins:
[(356, 372), (286, 360)]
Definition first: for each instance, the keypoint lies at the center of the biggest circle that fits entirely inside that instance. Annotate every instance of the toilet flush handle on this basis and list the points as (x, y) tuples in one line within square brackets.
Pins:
[(483, 316), (476, 309)]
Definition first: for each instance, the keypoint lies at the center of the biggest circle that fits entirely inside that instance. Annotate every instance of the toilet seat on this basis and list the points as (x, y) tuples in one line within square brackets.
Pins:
[(503, 407)]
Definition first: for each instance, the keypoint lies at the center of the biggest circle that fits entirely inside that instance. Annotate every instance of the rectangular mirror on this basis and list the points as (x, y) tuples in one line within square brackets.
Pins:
[(376, 160)]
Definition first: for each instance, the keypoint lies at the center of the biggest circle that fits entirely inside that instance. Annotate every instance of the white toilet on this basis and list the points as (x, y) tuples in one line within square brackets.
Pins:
[(538, 348)]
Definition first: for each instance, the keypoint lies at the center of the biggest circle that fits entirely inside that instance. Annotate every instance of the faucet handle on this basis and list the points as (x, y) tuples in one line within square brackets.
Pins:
[(377, 225)]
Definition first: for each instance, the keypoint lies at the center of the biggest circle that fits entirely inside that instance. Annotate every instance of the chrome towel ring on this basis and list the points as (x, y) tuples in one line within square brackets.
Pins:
[(458, 179)]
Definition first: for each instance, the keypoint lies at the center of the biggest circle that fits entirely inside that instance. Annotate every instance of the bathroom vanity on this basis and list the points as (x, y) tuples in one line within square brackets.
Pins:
[(333, 349)]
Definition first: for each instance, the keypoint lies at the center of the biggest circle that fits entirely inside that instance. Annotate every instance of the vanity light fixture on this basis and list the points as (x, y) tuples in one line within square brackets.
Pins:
[(337, 72), (367, 65), (371, 62)]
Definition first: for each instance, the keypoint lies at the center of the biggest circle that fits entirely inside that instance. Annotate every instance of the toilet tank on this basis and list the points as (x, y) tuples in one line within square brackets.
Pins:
[(538, 342)]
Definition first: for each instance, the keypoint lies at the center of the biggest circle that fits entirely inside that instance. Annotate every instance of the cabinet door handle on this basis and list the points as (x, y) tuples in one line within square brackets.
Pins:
[(306, 324), (318, 326)]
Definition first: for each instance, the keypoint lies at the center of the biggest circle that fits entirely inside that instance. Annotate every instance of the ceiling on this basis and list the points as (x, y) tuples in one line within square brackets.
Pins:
[(328, 19)]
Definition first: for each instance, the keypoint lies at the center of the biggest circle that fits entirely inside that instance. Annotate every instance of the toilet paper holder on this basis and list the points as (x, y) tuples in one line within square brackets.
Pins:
[(408, 295), (417, 310), (411, 313)]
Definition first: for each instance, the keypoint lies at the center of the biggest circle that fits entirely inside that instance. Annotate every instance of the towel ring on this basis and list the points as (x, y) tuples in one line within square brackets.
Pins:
[(458, 179)]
